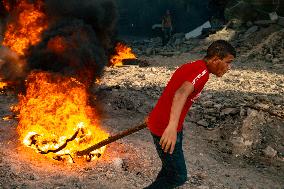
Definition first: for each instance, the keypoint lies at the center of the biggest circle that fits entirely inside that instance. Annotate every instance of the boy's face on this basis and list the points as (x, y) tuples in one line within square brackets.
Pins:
[(220, 66)]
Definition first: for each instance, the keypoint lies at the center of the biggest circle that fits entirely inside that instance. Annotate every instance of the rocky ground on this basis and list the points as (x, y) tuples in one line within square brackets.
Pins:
[(245, 107)]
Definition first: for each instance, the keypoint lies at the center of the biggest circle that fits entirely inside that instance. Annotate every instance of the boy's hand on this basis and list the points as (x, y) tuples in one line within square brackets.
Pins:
[(168, 139)]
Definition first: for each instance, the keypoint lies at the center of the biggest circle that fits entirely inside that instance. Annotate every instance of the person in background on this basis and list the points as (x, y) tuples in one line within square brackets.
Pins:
[(165, 122), (167, 27)]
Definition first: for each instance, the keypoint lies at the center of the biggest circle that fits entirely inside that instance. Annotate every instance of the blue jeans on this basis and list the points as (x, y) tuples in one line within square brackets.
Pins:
[(173, 172)]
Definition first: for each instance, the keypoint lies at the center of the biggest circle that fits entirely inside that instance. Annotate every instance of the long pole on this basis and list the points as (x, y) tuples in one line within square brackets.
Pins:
[(112, 139)]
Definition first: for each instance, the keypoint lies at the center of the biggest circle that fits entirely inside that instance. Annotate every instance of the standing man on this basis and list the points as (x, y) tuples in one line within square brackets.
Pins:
[(166, 119), (167, 27)]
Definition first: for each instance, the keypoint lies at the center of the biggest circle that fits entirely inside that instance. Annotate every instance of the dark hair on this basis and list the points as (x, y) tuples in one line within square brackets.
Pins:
[(220, 48)]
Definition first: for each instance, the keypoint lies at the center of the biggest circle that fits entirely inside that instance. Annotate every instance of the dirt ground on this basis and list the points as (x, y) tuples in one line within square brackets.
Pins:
[(230, 156)]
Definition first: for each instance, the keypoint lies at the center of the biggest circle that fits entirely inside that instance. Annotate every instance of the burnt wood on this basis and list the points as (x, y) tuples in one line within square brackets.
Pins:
[(61, 147), (140, 63)]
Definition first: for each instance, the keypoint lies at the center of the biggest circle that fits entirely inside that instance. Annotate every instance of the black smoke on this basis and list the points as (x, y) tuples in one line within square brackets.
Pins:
[(85, 29), (100, 14)]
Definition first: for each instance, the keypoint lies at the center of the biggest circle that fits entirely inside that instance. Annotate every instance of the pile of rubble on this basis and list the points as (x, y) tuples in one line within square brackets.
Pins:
[(271, 48), (257, 40), (176, 46)]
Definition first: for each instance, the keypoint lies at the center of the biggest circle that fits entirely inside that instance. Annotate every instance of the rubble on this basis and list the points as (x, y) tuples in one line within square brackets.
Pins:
[(270, 152), (229, 111), (264, 22), (203, 123), (280, 21), (250, 31)]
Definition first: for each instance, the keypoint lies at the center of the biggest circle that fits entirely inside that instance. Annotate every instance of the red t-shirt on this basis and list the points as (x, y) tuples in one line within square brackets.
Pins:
[(194, 72)]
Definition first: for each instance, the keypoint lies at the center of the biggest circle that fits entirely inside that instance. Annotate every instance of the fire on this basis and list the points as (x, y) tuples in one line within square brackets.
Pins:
[(27, 29), (3, 84), (122, 52), (54, 117)]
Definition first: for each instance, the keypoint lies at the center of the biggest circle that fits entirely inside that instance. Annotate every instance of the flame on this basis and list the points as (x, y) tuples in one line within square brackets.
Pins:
[(26, 31), (122, 52), (3, 84), (54, 112)]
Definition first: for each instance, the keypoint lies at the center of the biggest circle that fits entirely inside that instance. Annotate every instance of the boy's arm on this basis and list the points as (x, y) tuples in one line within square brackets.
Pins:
[(168, 139)]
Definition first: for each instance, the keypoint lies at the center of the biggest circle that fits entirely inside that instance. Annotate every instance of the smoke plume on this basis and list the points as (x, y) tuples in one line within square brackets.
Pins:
[(78, 38), (11, 65)]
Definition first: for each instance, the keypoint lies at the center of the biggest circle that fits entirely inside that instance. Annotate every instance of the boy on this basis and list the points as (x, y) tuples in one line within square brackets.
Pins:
[(167, 27), (166, 119)]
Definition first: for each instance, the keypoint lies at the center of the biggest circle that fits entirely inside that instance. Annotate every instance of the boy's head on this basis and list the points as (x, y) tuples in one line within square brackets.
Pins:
[(219, 56)]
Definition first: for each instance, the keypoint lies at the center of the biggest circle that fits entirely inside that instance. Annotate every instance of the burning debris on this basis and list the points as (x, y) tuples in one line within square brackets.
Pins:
[(54, 116), (122, 52), (25, 28), (67, 44), (2, 85)]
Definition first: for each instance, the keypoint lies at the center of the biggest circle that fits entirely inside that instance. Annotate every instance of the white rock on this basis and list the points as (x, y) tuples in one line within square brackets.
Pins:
[(263, 106), (229, 111), (270, 152), (248, 143), (118, 163), (203, 122)]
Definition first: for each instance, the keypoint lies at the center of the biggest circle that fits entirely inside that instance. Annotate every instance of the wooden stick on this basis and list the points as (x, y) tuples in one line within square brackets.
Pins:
[(112, 139)]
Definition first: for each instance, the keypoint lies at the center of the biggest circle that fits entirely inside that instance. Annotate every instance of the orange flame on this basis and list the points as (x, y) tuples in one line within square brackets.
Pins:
[(26, 31), (3, 84), (53, 111), (122, 52)]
